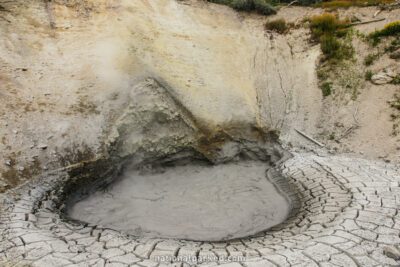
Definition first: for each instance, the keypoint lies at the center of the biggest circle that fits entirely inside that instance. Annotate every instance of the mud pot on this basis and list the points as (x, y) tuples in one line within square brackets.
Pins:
[(194, 201), (342, 211)]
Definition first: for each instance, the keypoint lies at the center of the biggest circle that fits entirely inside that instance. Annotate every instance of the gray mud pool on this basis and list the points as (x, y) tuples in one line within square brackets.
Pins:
[(195, 202)]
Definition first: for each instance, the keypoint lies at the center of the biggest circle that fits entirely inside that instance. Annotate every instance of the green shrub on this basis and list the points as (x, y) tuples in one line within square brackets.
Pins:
[(370, 59), (326, 29), (396, 80), (326, 89), (308, 2), (375, 41), (278, 25), (390, 29), (349, 3), (368, 75), (222, 2), (241, 5), (341, 32), (326, 24), (335, 49), (260, 6), (345, 51), (395, 105), (391, 48), (263, 7), (322, 73), (329, 45)]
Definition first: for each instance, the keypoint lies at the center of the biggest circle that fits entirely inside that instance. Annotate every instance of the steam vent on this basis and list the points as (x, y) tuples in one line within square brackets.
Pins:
[(240, 133)]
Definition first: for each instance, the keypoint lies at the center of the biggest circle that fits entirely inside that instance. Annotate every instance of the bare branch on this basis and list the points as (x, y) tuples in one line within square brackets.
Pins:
[(310, 138)]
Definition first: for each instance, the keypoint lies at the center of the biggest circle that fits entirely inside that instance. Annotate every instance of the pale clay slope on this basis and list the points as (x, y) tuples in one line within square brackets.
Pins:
[(84, 59)]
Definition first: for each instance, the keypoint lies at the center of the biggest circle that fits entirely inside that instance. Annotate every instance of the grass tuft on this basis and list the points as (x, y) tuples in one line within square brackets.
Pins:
[(368, 75), (278, 25), (327, 29), (327, 24), (326, 89), (369, 60)]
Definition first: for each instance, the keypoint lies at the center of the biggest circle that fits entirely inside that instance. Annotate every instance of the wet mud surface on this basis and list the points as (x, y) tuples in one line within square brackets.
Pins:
[(196, 201)]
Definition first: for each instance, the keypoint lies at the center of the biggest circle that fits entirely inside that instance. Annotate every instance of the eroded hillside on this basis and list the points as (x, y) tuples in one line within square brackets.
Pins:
[(71, 73)]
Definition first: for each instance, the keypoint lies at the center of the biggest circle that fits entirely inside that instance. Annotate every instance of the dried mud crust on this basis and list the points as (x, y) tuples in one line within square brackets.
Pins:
[(345, 215)]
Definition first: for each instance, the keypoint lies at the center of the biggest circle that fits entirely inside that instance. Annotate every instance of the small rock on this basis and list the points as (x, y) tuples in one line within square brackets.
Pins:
[(21, 168), (43, 146), (45, 168), (383, 77), (391, 252), (8, 162), (15, 131)]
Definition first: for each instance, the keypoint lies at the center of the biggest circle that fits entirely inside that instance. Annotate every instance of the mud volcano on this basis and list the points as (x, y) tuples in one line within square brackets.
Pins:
[(195, 201)]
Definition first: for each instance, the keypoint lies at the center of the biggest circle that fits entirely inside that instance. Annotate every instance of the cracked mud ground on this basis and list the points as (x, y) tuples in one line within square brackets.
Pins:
[(348, 214)]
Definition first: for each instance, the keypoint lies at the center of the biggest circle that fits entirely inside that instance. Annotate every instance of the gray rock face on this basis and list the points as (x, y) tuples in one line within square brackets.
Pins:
[(212, 69), (153, 116)]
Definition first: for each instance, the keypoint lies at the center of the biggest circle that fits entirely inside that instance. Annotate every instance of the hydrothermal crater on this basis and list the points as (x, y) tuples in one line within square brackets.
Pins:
[(211, 187), (163, 122), (194, 201)]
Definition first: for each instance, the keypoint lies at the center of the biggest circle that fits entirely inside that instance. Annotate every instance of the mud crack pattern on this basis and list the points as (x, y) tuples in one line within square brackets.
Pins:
[(347, 214)]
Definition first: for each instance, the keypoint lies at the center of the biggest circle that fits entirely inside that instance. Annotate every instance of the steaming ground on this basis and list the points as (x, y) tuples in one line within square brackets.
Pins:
[(196, 202)]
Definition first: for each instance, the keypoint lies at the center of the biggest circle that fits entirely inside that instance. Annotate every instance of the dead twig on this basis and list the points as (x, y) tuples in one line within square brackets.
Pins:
[(377, 12), (355, 116), (351, 128), (366, 22), (291, 3), (347, 132), (310, 138)]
